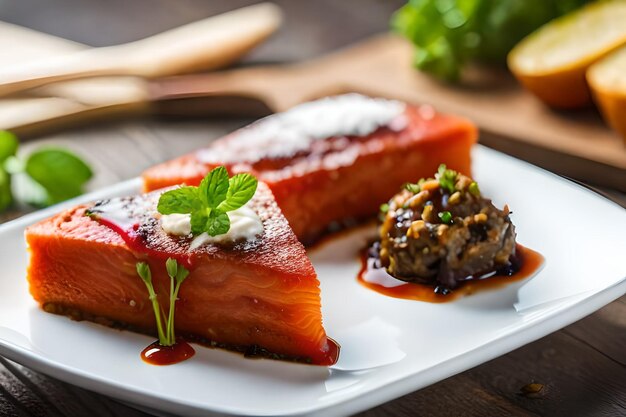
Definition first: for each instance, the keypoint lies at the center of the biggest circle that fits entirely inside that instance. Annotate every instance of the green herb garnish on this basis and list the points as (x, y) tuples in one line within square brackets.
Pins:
[(210, 201), (384, 208), (47, 176), (177, 273), (447, 178), (8, 148), (445, 217), (143, 270), (450, 33), (473, 189), (61, 173), (414, 188)]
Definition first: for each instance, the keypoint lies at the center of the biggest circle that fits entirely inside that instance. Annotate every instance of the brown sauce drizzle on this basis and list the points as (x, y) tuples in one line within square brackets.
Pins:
[(157, 354), (376, 278)]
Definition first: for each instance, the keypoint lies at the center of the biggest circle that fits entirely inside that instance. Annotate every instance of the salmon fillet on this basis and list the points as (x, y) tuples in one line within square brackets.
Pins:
[(260, 293), (336, 178)]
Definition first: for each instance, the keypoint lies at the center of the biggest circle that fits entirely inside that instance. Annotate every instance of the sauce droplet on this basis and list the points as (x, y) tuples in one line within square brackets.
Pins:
[(157, 354), (333, 352), (377, 278)]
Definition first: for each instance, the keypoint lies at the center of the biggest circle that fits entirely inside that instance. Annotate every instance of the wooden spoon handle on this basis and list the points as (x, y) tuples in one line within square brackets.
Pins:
[(207, 44)]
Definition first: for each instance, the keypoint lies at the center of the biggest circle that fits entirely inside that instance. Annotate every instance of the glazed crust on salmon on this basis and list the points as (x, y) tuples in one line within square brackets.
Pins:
[(335, 179), (260, 293)]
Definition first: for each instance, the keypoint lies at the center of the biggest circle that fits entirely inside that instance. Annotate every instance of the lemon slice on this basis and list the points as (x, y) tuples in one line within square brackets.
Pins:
[(607, 79), (551, 62)]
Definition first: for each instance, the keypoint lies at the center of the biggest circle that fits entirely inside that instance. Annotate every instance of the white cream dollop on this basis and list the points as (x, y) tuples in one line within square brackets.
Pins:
[(176, 224), (245, 224)]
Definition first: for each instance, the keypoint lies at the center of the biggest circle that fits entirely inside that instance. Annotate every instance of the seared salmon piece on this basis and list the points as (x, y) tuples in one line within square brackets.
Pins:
[(334, 160), (260, 294)]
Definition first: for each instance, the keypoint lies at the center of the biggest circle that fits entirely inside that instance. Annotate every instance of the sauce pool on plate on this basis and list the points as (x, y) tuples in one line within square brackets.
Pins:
[(157, 354), (376, 277)]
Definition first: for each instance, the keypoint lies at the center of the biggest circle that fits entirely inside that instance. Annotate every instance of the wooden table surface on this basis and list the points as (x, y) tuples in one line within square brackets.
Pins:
[(582, 367)]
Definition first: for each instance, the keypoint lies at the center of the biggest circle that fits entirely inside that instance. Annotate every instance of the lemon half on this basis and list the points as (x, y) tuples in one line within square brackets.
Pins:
[(607, 79), (552, 61)]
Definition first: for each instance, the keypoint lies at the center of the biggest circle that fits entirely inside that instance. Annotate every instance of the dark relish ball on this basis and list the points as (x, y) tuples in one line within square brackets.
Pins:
[(441, 231)]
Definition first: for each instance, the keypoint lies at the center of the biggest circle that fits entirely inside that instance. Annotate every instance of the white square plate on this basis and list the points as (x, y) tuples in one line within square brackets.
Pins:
[(389, 346)]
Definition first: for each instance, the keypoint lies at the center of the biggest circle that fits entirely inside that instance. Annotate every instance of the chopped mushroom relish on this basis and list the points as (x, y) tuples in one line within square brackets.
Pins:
[(441, 231)]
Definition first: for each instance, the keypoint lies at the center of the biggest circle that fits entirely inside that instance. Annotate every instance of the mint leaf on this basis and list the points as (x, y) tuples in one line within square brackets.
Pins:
[(180, 200), (199, 219), (214, 187), (209, 202), (61, 173), (8, 145), (240, 190), (215, 223), (218, 223)]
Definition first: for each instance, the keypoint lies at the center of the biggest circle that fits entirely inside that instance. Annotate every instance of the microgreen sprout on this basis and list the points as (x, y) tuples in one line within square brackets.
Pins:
[(177, 273), (143, 270)]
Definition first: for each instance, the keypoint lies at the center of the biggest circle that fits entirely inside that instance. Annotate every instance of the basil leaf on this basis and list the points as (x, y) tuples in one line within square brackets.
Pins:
[(214, 187), (241, 189), (180, 200), (218, 223), (61, 173), (199, 219), (8, 145)]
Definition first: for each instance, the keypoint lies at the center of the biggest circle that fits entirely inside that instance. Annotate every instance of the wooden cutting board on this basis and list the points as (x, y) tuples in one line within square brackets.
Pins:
[(577, 144)]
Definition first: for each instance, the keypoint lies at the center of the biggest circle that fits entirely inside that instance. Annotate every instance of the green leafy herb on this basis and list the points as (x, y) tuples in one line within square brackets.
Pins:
[(8, 145), (181, 200), (214, 187), (450, 33), (447, 178), (60, 172), (6, 197), (210, 201), (241, 188), (47, 176), (8, 148), (177, 273), (445, 216), (384, 208)]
